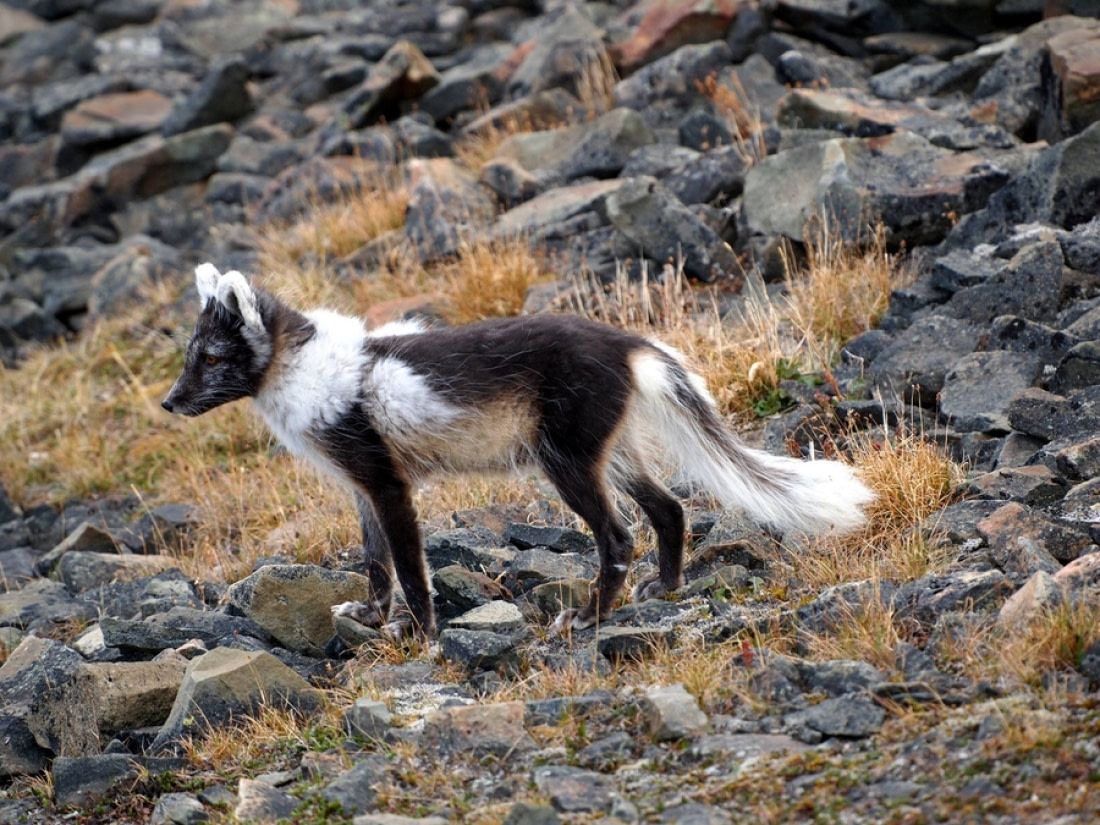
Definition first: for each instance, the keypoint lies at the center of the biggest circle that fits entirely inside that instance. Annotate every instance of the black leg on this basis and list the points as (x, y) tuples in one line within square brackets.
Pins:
[(393, 508), (582, 488), (667, 517)]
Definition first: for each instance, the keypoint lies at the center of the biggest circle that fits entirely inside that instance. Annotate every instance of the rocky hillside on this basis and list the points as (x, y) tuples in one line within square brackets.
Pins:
[(138, 139)]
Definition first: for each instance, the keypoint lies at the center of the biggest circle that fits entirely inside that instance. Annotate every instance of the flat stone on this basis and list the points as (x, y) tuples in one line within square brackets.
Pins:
[(846, 717), (484, 730), (259, 803), (672, 714), (495, 616), (1034, 485), (115, 117), (598, 148), (618, 643), (480, 650)]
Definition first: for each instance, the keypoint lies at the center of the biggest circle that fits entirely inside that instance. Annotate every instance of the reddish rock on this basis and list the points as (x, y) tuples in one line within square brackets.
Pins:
[(115, 117), (1071, 88), (668, 24)]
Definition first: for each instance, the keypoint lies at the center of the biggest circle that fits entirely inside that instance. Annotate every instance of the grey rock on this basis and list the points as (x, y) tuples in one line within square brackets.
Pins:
[(845, 716), (493, 729), (446, 209), (495, 616), (1033, 485), (222, 96), (29, 670), (81, 781), (1031, 284), (632, 643), (839, 676), (664, 229), (178, 809), (403, 73), (472, 83), (672, 713), (854, 181), (1078, 369), (566, 43), (673, 76), (598, 148), (606, 753), (1016, 334), (95, 701), (480, 650), (694, 813), (554, 710), (368, 718), (1056, 189), (835, 605), (574, 790), (176, 626), (294, 602), (464, 588), (931, 596), (559, 539), (916, 363), (509, 181), (734, 538), (537, 566), (40, 604), (226, 683), (525, 813), (979, 389), (258, 802), (716, 175), (354, 789)]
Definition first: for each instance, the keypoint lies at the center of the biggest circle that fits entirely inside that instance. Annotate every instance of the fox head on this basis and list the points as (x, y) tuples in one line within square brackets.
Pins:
[(230, 348)]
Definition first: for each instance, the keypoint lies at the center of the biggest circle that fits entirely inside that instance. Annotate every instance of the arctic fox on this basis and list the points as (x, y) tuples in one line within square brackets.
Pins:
[(593, 407)]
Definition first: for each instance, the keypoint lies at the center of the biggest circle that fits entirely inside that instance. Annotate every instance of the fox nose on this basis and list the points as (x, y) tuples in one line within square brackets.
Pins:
[(168, 405)]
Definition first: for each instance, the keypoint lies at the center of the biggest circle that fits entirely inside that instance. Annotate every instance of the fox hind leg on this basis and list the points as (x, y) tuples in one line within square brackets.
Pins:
[(583, 489)]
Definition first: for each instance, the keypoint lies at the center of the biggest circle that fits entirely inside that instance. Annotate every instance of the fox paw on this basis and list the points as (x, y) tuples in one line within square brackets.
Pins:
[(573, 619), (360, 612), (651, 587)]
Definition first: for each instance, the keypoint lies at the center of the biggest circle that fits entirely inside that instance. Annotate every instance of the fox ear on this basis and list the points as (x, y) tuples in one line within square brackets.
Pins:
[(237, 296), (206, 279)]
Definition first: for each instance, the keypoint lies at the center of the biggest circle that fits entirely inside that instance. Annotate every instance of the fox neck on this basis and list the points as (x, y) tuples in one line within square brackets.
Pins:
[(314, 377)]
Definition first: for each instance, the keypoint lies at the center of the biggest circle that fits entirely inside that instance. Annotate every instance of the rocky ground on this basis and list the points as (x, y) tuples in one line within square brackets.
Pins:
[(141, 138)]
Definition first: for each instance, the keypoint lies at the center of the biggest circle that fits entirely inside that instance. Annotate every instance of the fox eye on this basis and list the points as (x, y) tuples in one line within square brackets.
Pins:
[(211, 360)]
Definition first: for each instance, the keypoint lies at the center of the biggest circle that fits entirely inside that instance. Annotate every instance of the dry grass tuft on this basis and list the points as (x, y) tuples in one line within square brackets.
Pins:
[(331, 230), (596, 83), (1053, 641), (490, 279), (843, 289), (742, 115)]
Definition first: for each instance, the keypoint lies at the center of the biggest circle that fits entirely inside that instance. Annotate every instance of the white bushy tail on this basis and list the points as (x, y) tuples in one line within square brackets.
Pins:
[(673, 412)]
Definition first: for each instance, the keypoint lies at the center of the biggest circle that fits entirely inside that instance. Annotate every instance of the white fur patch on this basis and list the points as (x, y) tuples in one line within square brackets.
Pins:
[(395, 328), (206, 280), (402, 405), (313, 387)]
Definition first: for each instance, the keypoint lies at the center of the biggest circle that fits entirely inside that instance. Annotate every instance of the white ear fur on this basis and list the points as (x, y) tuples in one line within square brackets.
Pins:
[(237, 296), (206, 279)]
